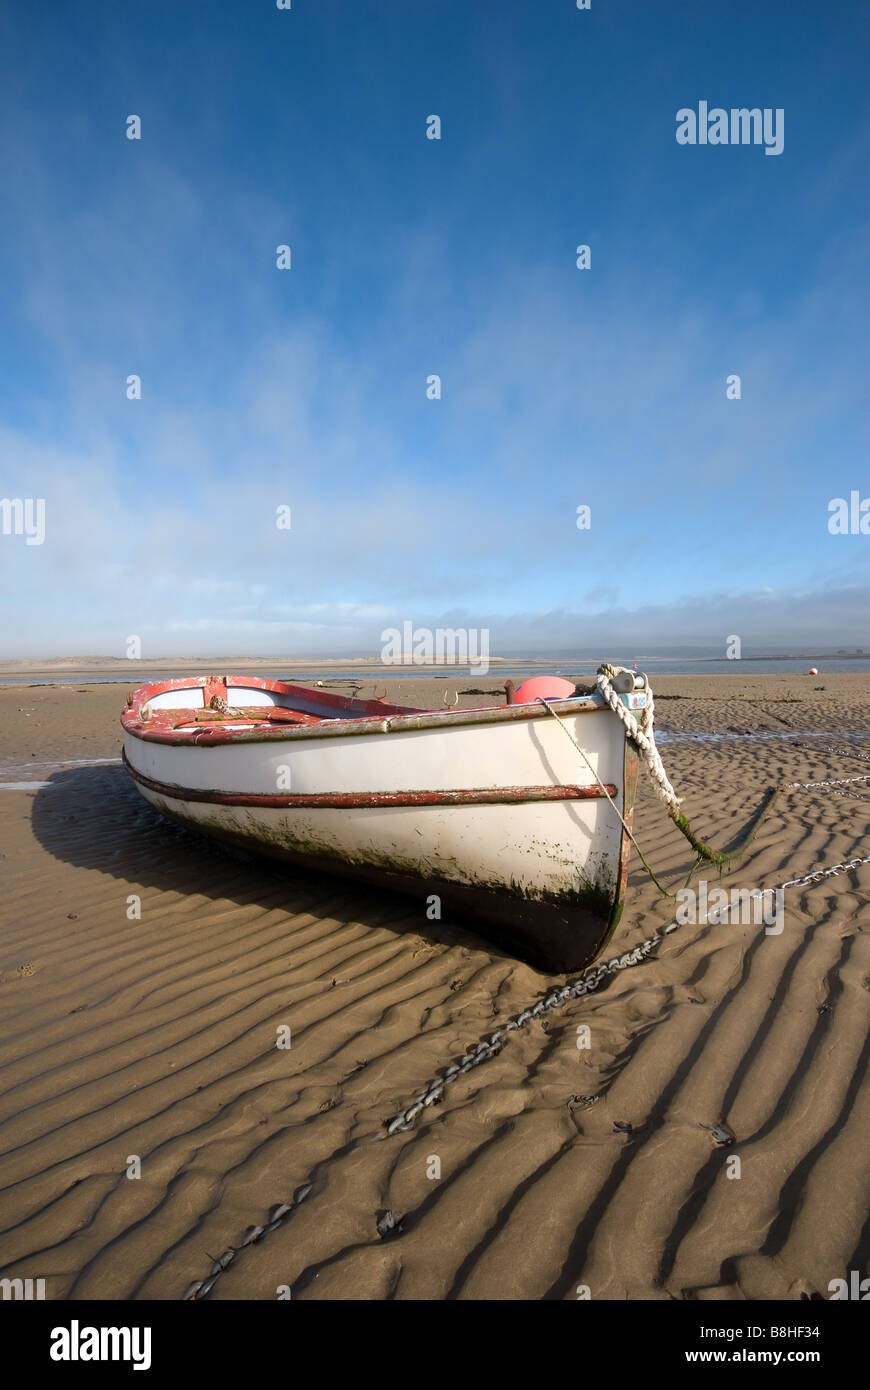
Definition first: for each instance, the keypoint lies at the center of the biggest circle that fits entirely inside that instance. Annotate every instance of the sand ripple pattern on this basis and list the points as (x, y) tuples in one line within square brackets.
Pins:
[(156, 1038)]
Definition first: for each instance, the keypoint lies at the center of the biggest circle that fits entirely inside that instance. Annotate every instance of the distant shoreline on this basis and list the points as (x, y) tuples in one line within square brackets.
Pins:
[(135, 669)]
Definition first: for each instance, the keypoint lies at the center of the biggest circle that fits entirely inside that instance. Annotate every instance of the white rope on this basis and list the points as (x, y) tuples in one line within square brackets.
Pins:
[(562, 725), (641, 733)]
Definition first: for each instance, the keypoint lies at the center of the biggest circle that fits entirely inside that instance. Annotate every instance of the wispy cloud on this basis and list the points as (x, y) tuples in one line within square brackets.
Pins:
[(307, 389)]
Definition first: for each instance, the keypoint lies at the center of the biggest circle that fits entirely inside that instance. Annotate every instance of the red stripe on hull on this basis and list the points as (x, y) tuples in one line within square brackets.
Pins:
[(494, 796)]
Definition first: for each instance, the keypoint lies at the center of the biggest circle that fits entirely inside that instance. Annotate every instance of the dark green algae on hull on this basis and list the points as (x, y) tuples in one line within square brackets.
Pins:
[(556, 931)]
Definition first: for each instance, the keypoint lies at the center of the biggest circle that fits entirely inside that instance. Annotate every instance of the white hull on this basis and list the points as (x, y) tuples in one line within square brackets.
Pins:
[(570, 855)]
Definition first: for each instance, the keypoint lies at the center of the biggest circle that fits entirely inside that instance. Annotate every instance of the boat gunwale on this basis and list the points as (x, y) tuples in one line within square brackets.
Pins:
[(395, 718)]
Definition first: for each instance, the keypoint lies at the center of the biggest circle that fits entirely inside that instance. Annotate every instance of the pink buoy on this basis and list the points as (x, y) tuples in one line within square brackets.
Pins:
[(543, 688), (814, 670)]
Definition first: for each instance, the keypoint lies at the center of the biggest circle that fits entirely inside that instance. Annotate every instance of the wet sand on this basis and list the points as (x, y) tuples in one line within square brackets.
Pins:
[(156, 1038)]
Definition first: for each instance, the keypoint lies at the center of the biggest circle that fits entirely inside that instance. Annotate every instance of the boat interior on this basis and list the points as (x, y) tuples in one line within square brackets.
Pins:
[(227, 704), (237, 701)]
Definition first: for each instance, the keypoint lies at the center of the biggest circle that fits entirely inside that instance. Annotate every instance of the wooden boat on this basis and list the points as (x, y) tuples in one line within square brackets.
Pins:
[(491, 809)]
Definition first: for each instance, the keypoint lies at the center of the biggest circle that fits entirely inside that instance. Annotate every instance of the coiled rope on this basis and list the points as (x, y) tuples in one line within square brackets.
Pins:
[(641, 734)]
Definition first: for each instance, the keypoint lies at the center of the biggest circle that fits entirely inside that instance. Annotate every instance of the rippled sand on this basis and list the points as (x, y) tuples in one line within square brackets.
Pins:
[(156, 1038)]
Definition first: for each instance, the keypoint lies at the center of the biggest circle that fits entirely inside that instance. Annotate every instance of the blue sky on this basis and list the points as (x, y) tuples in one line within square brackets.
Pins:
[(411, 256)]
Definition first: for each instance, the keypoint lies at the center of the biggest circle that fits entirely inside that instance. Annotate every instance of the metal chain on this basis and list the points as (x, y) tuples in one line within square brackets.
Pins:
[(845, 752), (277, 1215), (483, 1052), (491, 1046), (837, 782), (841, 782), (818, 874)]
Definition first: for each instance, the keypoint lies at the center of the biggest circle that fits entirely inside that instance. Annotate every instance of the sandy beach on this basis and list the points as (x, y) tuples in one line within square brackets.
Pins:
[(558, 1167)]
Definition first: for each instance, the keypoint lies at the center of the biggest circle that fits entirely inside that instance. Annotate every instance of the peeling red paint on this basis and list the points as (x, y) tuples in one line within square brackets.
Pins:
[(491, 796), (312, 713), (560, 931)]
